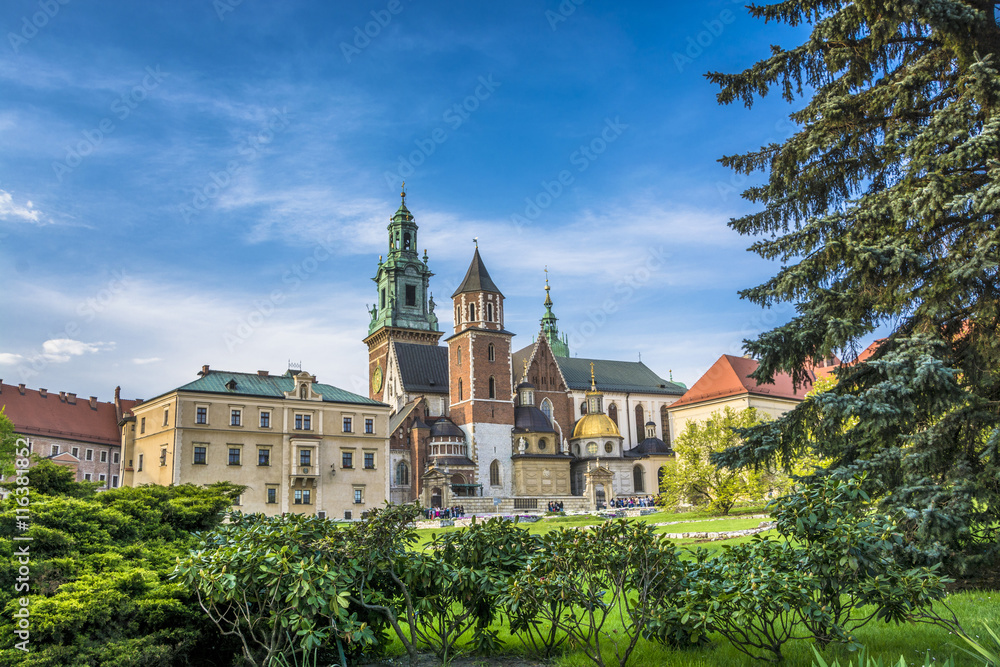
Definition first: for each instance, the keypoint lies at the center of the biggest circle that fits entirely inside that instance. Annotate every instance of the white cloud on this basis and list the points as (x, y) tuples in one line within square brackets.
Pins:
[(10, 358), (60, 350), (146, 360), (27, 212)]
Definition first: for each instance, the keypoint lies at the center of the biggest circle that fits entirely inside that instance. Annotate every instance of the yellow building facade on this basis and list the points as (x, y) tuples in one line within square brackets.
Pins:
[(295, 444)]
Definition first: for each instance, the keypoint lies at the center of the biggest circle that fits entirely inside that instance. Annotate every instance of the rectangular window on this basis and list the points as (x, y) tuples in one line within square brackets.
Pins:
[(87, 476), (359, 496), (76, 452), (265, 419), (166, 416), (142, 425), (200, 456), (104, 457), (201, 416), (298, 496), (90, 454), (305, 457), (347, 515), (347, 460), (303, 422), (101, 478), (411, 295), (272, 496), (234, 456), (369, 426), (117, 458), (140, 462), (263, 456), (369, 460), (306, 497), (347, 424), (114, 481), (238, 500), (235, 417), (163, 456)]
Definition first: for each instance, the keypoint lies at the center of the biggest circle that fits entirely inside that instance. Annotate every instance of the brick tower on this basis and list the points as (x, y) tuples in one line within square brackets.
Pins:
[(479, 363)]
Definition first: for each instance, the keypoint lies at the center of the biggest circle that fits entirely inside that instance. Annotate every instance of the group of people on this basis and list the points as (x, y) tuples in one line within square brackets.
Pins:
[(633, 501), (555, 506), (456, 512)]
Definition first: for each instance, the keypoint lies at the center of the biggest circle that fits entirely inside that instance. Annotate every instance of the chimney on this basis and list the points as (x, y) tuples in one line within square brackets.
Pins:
[(93, 402), (62, 396), (71, 398), (20, 388), (204, 370), (43, 392), (263, 374)]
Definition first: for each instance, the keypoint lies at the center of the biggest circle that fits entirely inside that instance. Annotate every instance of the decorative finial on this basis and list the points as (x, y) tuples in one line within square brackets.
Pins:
[(525, 368), (476, 241), (671, 374), (593, 383), (403, 191)]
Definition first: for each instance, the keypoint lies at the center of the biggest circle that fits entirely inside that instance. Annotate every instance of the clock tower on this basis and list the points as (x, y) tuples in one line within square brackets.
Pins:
[(404, 308)]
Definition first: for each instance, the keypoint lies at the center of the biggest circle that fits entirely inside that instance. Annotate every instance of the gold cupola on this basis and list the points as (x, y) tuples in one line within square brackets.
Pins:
[(595, 424)]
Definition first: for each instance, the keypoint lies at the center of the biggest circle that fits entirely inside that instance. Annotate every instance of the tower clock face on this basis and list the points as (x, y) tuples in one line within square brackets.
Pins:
[(377, 379)]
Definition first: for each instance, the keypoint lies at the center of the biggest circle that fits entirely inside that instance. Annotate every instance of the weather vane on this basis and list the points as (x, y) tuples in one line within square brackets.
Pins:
[(476, 241)]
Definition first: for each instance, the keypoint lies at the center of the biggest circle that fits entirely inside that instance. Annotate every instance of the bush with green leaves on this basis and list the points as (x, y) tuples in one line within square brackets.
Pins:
[(100, 563), (595, 588), (263, 581)]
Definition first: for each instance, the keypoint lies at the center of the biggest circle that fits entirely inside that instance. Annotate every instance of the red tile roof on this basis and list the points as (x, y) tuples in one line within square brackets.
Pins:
[(54, 416), (730, 376)]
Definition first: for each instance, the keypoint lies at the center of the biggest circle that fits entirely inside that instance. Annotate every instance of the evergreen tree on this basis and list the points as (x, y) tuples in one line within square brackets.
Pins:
[(882, 210)]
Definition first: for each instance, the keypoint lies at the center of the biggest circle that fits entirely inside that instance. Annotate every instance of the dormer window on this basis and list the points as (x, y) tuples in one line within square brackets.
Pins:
[(231, 385)]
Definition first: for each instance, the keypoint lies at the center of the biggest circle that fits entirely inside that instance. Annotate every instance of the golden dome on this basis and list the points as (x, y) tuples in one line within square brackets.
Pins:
[(595, 425)]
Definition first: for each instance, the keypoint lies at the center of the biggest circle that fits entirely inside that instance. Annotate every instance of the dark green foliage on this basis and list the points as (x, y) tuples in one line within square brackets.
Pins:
[(8, 444), (99, 567), (882, 210)]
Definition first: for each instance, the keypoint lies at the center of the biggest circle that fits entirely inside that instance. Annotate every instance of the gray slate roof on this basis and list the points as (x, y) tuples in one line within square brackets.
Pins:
[(630, 376), (272, 386), (423, 368), (477, 278)]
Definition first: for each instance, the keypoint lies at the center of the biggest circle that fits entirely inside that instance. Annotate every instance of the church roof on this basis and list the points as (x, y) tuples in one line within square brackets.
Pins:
[(730, 376), (630, 376), (446, 428), (271, 386), (649, 446), (423, 368), (477, 278), (529, 419)]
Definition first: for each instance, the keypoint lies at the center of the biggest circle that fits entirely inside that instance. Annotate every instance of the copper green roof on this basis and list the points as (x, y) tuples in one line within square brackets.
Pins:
[(270, 386), (477, 278), (619, 376)]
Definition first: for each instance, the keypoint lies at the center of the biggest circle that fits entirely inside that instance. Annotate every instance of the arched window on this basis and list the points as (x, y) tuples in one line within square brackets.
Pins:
[(495, 473), (665, 424), (637, 480), (542, 444), (461, 395), (402, 474), (547, 408), (639, 423), (613, 413), (489, 312), (472, 312), (492, 352), (583, 408), (406, 241), (458, 355), (493, 387)]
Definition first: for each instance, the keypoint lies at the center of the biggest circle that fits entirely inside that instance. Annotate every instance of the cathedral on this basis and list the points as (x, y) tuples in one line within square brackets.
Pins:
[(476, 423)]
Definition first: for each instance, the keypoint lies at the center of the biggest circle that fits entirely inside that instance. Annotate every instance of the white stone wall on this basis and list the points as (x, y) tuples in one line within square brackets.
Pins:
[(491, 441)]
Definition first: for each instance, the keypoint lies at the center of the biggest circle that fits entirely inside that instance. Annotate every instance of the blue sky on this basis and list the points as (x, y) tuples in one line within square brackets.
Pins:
[(204, 182)]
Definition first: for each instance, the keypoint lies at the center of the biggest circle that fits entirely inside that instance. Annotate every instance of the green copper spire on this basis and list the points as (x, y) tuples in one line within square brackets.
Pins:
[(403, 299), (560, 346)]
